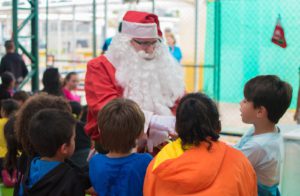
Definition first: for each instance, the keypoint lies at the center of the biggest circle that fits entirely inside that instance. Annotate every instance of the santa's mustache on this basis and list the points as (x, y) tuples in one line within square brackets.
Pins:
[(146, 56)]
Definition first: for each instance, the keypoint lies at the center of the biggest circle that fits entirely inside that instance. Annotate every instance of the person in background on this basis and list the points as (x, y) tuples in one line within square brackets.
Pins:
[(8, 109), (7, 85), (175, 50), (52, 134), (9, 171), (266, 99), (121, 171), (13, 63), (197, 163), (70, 84), (82, 141), (52, 82), (21, 97), (107, 41)]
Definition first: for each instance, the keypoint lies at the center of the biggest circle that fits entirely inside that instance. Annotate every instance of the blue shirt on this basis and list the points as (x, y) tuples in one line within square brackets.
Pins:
[(176, 52), (106, 44), (119, 176)]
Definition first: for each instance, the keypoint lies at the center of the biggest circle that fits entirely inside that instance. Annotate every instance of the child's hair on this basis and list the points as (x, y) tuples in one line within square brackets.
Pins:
[(270, 92), (31, 107), (7, 78), (49, 129), (9, 107), (51, 82), (197, 120), (21, 96), (120, 122), (10, 160), (76, 108)]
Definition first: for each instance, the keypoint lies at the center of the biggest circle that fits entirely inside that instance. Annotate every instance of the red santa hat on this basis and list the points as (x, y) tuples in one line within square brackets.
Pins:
[(141, 25)]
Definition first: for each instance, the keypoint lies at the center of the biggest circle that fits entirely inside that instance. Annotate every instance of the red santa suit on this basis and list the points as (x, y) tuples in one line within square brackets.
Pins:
[(154, 84)]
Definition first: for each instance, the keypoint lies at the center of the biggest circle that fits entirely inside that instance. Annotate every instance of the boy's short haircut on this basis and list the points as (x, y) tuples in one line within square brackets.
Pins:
[(120, 123), (21, 96), (9, 106), (271, 92), (49, 129)]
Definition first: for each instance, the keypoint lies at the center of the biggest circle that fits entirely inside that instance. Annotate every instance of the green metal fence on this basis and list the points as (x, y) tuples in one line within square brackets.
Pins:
[(246, 50)]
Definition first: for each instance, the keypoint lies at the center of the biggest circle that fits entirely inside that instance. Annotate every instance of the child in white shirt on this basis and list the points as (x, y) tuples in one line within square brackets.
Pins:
[(266, 100)]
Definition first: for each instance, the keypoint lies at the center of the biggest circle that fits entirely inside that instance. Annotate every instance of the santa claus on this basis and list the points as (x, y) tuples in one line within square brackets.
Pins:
[(140, 67)]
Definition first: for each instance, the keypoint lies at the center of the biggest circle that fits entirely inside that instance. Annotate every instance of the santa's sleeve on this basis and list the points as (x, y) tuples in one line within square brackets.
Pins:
[(100, 88)]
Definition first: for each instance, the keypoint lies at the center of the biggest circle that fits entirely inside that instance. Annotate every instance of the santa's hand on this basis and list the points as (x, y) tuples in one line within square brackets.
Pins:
[(163, 123), (156, 137)]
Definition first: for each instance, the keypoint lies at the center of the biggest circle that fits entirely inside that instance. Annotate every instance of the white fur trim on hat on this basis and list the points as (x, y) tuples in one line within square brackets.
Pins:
[(139, 30)]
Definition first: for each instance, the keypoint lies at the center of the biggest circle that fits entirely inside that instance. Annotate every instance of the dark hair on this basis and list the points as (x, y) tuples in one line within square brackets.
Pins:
[(270, 92), (9, 44), (197, 120), (9, 106), (12, 145), (7, 78), (51, 82), (49, 129), (21, 96), (31, 107), (120, 122), (84, 113), (76, 108)]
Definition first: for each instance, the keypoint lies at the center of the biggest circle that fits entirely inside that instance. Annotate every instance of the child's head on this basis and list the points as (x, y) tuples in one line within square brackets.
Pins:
[(52, 133), (76, 109), (52, 81), (31, 107), (71, 81), (267, 93), (8, 80), (120, 123), (20, 97), (8, 108), (197, 120)]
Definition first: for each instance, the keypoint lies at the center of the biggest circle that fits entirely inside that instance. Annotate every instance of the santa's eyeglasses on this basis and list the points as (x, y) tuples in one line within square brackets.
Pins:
[(145, 43)]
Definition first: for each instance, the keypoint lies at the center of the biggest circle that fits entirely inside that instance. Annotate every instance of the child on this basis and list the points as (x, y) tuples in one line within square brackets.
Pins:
[(9, 172), (266, 100), (82, 141), (120, 171), (7, 85), (52, 134), (8, 108), (70, 84), (197, 163)]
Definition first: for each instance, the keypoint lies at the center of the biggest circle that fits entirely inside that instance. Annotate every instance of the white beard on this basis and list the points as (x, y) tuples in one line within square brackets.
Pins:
[(154, 84)]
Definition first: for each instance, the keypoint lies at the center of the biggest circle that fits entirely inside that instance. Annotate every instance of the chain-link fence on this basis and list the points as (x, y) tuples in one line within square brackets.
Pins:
[(246, 29)]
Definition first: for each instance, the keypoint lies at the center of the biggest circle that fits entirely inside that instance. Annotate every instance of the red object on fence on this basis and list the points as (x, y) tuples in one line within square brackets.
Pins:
[(278, 35)]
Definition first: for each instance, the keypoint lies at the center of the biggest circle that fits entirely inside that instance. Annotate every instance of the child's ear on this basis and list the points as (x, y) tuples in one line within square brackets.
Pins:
[(64, 149), (262, 112)]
